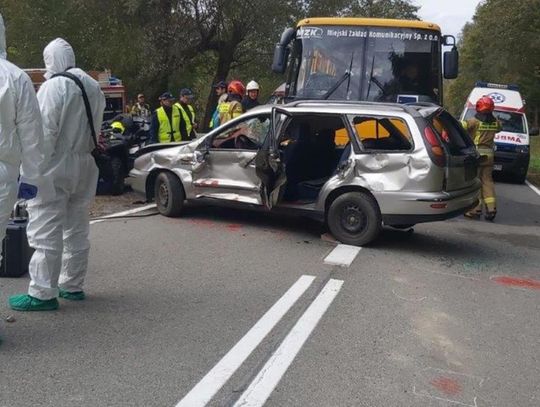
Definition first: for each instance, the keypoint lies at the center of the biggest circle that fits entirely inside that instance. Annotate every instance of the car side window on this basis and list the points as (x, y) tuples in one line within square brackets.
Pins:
[(382, 133), (248, 134)]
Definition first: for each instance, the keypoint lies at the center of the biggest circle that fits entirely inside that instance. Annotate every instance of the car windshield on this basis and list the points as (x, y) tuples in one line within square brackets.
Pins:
[(366, 63), (511, 122)]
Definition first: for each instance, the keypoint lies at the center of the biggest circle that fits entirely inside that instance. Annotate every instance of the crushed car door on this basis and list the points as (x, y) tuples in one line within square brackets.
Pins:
[(224, 165), (269, 167)]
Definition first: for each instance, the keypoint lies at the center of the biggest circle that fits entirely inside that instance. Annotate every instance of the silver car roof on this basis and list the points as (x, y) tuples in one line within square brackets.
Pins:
[(352, 107)]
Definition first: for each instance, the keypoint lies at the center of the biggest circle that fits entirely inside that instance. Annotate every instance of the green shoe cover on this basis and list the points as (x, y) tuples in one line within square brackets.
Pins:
[(72, 296), (25, 302)]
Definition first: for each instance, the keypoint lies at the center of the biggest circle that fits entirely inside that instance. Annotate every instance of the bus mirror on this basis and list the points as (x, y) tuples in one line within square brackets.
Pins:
[(281, 54), (287, 36), (451, 63)]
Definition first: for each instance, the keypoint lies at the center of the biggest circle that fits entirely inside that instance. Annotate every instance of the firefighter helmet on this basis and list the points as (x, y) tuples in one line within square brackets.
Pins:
[(485, 105), (252, 86), (237, 88)]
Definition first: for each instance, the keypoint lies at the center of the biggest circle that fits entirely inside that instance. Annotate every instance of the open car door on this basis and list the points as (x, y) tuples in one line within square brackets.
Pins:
[(268, 165)]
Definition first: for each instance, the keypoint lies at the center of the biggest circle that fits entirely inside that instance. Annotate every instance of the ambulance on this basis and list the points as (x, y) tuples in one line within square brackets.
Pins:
[(512, 143)]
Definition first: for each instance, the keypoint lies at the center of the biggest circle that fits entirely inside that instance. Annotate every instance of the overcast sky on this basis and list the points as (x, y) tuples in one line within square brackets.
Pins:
[(450, 15)]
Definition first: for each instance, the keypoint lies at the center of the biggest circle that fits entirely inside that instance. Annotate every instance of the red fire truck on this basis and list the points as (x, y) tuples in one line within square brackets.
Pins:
[(115, 92)]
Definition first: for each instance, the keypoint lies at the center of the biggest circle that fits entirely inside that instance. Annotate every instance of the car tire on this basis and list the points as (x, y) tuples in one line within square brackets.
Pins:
[(354, 218), (117, 174), (169, 194)]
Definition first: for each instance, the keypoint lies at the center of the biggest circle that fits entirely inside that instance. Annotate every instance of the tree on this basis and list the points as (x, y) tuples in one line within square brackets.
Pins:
[(501, 45), (403, 9)]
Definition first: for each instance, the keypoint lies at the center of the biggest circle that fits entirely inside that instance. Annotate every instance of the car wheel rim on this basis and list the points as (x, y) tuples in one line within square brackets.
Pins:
[(163, 194), (353, 219)]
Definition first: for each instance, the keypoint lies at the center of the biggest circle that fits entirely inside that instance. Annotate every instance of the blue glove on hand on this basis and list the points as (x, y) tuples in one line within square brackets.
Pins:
[(27, 191)]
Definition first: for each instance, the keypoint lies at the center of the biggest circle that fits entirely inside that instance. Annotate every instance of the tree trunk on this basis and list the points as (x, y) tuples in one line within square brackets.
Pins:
[(225, 59)]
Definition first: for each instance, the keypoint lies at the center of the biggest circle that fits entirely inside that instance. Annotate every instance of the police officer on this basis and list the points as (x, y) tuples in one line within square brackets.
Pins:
[(165, 127), (482, 129), (188, 125)]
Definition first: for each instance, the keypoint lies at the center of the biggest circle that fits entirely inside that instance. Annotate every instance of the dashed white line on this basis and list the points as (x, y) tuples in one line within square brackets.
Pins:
[(268, 378), (533, 187), (124, 213), (214, 380), (343, 255)]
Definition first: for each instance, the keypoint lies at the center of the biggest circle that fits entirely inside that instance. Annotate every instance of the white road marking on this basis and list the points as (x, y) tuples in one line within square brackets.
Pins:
[(533, 187), (343, 255), (214, 380), (268, 378), (124, 213)]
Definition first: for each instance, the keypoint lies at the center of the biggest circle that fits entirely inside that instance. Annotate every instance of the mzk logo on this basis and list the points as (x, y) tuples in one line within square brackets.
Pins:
[(310, 32)]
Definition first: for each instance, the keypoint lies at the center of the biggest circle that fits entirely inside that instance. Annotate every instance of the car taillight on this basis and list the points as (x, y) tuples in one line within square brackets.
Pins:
[(438, 156)]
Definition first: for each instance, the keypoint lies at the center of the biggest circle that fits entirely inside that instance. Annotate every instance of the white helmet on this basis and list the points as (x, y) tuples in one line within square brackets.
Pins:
[(252, 86)]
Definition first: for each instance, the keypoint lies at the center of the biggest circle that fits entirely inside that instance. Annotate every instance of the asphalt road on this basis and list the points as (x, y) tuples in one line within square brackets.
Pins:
[(419, 319)]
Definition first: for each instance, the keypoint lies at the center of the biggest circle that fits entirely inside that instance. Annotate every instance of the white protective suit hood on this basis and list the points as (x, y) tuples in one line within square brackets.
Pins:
[(58, 57), (3, 53)]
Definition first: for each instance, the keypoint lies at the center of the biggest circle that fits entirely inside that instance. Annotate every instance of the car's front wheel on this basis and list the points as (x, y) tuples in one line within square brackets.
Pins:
[(169, 194), (354, 218)]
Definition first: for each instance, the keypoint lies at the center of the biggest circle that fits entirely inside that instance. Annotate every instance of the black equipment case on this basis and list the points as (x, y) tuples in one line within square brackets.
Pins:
[(16, 253)]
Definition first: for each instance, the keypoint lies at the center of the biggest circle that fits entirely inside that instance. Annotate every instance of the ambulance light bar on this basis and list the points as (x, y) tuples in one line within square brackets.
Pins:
[(481, 84)]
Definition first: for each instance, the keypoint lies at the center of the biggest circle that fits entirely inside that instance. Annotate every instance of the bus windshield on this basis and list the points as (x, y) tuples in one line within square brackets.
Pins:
[(366, 63)]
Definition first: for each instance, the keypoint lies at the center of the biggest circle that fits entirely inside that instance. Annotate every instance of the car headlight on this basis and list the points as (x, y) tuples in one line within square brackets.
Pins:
[(522, 149)]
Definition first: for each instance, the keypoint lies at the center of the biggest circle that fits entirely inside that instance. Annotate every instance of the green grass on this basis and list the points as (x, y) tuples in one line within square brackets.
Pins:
[(534, 166)]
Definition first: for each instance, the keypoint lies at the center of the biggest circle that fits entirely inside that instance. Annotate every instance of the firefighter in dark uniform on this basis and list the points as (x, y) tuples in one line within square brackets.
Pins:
[(482, 129)]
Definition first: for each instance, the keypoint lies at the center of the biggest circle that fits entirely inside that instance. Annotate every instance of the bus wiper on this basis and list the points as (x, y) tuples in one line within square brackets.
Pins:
[(346, 75), (374, 80)]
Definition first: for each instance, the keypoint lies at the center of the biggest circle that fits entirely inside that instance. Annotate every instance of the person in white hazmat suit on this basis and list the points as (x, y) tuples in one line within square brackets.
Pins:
[(21, 136), (59, 224)]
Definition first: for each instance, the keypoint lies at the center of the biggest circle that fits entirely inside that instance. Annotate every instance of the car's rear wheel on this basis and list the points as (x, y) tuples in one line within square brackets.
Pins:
[(169, 194), (354, 218)]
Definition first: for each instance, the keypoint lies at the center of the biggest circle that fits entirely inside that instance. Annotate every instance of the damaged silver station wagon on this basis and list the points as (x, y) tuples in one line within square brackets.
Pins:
[(356, 166)]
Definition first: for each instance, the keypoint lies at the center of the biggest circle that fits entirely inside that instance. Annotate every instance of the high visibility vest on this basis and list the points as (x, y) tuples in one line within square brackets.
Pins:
[(185, 116), (165, 130), (483, 134), (221, 109), (229, 111)]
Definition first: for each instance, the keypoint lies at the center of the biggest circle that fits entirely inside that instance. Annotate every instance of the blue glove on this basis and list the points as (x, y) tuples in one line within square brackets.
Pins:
[(27, 191)]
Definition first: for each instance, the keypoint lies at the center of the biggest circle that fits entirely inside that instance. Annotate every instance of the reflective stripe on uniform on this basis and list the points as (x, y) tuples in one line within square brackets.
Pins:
[(490, 200), (488, 126), (485, 151)]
